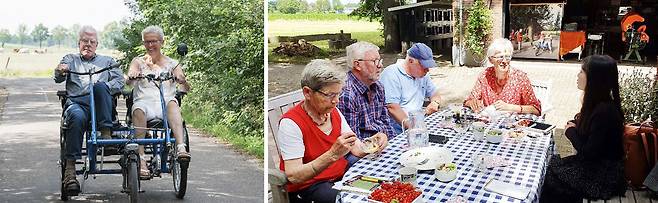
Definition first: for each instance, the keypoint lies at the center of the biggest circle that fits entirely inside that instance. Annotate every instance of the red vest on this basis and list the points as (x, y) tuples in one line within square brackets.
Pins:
[(316, 143)]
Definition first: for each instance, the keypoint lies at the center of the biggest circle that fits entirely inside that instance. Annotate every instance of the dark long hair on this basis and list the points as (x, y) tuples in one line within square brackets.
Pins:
[(602, 86)]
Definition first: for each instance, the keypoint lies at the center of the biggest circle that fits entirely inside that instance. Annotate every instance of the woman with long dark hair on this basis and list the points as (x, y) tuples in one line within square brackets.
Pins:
[(596, 170)]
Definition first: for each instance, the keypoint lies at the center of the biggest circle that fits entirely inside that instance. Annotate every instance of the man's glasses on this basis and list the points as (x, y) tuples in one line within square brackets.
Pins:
[(88, 41), (151, 42), (377, 62), (500, 58), (327, 95)]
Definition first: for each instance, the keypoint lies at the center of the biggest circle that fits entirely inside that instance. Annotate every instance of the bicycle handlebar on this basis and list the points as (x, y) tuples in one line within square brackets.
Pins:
[(164, 76), (95, 72)]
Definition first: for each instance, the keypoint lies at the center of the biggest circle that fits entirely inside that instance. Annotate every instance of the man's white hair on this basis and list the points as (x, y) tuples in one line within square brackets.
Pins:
[(88, 29), (153, 29), (320, 73), (358, 50), (497, 45)]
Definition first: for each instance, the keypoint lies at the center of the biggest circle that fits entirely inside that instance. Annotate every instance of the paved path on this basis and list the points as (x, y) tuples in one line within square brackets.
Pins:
[(29, 150)]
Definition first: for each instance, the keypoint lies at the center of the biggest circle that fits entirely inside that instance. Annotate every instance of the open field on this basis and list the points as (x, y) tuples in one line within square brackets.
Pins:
[(35, 65), (361, 30)]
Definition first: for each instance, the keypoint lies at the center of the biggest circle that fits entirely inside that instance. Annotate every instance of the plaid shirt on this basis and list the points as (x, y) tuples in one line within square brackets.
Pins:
[(364, 108)]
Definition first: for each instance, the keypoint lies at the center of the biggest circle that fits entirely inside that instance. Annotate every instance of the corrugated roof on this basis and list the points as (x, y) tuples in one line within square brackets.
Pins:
[(419, 4)]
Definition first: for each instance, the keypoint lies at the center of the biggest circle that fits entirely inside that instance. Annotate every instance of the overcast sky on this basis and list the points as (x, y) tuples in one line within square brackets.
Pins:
[(96, 13)]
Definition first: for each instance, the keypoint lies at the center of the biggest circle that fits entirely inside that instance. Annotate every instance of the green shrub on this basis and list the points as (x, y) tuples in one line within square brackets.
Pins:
[(478, 27), (639, 96)]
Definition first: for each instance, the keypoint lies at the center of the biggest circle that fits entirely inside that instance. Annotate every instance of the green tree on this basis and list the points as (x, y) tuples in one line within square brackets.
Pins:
[(5, 36), (271, 6), (291, 6), (225, 64), (59, 34), (322, 6), (338, 6), (73, 34), (378, 10), (40, 33), (21, 33), (530, 17), (111, 34)]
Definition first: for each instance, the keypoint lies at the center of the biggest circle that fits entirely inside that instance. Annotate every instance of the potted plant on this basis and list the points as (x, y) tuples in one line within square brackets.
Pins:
[(478, 32)]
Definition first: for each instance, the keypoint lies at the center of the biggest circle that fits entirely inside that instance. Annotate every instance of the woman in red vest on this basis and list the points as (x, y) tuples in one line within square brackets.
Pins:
[(313, 136)]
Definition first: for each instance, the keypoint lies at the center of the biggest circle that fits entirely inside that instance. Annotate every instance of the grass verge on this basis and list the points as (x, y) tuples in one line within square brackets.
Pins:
[(248, 144), (372, 37), (18, 73)]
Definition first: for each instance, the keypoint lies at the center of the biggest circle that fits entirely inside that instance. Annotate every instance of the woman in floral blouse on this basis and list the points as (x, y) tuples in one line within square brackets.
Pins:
[(505, 87)]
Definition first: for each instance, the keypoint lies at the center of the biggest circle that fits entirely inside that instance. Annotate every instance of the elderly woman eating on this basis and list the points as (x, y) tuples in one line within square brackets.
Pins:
[(504, 87), (314, 137)]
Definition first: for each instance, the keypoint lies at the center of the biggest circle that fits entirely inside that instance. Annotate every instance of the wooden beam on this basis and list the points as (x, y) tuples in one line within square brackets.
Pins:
[(311, 38)]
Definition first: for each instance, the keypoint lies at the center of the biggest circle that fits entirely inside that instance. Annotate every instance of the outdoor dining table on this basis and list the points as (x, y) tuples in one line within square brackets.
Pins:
[(528, 160)]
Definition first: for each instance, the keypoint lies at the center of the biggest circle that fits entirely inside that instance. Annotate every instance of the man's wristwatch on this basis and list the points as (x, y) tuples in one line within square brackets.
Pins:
[(437, 102)]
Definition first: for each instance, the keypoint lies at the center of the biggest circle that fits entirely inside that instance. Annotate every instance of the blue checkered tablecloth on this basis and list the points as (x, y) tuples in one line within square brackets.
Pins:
[(528, 160)]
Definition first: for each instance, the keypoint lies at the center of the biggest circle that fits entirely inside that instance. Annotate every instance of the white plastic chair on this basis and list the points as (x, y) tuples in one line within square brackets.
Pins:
[(542, 91)]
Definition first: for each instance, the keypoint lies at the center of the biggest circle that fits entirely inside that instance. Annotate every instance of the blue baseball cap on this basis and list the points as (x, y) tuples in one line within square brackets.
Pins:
[(423, 53)]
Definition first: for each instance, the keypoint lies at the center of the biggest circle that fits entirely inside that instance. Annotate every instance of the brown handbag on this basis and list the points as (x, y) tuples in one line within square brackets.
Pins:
[(641, 147)]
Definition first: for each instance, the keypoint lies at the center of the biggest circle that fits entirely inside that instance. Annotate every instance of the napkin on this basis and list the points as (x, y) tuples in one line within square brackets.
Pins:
[(492, 161), (507, 189)]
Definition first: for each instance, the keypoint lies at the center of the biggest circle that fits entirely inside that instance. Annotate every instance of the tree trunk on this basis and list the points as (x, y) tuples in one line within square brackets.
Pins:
[(391, 32)]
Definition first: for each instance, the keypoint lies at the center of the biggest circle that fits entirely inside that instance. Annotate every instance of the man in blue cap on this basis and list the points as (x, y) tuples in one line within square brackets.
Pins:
[(407, 84)]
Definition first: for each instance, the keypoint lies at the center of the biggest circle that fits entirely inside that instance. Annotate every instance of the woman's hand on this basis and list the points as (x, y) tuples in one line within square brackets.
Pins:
[(569, 125), (382, 141), (134, 73), (343, 145), (475, 104), (503, 106)]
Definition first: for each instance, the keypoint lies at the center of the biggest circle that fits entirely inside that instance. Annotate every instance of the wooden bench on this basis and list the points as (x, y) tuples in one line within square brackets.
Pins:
[(277, 180), (336, 40)]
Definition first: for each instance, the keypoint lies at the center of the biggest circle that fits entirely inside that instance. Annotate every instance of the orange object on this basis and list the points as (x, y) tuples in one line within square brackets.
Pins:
[(627, 23), (571, 40)]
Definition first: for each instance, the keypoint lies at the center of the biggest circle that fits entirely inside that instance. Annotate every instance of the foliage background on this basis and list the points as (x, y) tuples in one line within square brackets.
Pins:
[(639, 95), (478, 27), (225, 63)]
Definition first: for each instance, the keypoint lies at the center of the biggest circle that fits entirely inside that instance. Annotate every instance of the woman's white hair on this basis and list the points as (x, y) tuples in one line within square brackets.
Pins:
[(358, 50), (153, 29), (320, 73), (87, 29), (497, 45)]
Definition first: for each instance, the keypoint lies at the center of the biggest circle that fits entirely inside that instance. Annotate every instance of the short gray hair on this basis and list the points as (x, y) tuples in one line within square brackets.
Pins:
[(500, 44), (320, 73), (87, 29), (358, 51), (153, 29)]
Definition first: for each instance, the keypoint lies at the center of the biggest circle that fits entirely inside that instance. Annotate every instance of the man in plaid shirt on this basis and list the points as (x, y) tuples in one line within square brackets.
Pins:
[(362, 100)]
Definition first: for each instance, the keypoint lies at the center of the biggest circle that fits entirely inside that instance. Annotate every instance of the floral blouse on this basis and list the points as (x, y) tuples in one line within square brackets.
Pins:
[(517, 90)]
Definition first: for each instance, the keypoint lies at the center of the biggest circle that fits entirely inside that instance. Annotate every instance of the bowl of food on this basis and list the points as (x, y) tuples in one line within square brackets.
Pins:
[(523, 123), (445, 172), (494, 135), (396, 192), (370, 145), (478, 130), (516, 135)]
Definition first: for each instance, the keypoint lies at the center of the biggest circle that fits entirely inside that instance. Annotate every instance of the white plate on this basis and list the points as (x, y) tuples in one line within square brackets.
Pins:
[(433, 154)]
